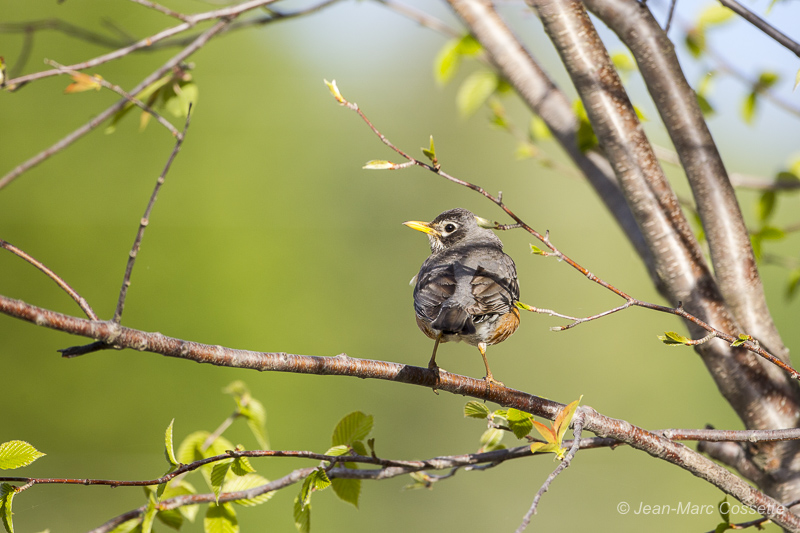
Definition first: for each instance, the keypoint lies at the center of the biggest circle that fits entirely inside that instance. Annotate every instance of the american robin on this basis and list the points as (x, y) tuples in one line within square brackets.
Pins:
[(467, 288)]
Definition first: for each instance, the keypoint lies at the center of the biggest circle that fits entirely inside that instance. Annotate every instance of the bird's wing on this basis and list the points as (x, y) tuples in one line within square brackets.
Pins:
[(435, 285), (494, 287)]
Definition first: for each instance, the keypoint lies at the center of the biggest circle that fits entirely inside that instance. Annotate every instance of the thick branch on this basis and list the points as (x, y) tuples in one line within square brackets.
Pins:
[(655, 445)]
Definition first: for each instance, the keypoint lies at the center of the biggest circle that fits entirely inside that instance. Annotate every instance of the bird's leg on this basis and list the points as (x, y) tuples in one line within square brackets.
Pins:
[(432, 364), (489, 378)]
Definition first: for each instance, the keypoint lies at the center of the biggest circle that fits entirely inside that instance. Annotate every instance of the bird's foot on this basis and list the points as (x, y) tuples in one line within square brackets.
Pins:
[(491, 381), (433, 367)]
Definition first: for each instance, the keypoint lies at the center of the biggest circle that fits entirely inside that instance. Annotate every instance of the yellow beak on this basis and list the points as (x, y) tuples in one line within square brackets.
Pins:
[(424, 227)]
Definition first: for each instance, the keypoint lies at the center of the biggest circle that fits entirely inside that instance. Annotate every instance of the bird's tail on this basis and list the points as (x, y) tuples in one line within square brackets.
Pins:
[(454, 320)]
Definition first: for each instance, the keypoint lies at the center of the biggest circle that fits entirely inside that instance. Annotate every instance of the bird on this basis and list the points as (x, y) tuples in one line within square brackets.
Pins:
[(467, 289)]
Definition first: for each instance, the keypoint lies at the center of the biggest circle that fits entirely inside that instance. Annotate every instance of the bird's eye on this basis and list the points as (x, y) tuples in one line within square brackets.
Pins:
[(450, 228)]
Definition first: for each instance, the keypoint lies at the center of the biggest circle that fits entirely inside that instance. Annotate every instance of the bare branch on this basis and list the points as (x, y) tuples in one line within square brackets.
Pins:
[(762, 25), (99, 119), (145, 220), (80, 300), (162, 9)]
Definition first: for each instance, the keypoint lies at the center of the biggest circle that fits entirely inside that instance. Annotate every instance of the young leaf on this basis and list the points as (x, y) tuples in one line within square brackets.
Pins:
[(475, 90), (724, 510), (218, 474), (149, 515), (564, 418), (474, 409), (536, 250), (793, 282), (430, 153), (766, 80), (220, 519), (538, 129), (241, 466), (335, 91), (180, 99), (302, 516), (545, 447), (16, 454), (519, 422), (749, 107), (359, 448), (714, 15), (546, 432), (524, 306), (83, 82), (696, 41), (379, 164), (490, 440), (796, 80), (671, 338), (7, 493), (447, 61), (127, 526), (247, 482), (169, 451), (347, 490), (353, 427), (623, 62), (741, 340)]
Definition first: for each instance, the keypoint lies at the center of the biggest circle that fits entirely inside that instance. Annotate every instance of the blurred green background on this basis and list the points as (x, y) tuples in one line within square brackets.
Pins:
[(269, 236)]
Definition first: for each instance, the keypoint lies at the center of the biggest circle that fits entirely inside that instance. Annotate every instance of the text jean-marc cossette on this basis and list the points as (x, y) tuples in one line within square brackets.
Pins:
[(689, 508)]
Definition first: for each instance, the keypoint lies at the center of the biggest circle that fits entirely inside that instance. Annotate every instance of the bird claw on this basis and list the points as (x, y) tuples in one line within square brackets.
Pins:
[(490, 380), (435, 369)]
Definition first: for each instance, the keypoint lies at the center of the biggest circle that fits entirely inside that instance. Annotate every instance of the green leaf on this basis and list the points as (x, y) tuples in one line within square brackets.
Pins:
[(545, 447), (341, 449), (169, 451), (241, 466), (178, 102), (705, 106), (378, 164), (519, 422), (335, 91), (766, 205), (714, 15), (149, 515), (788, 178), (741, 340), (347, 490), (220, 519), (475, 90), (726, 514), (302, 516), (218, 474), (430, 153), (695, 41), (490, 440), (247, 482), (475, 409), (671, 338), (447, 61), (315, 481), (353, 427), (585, 137), (537, 251), (7, 492), (359, 448), (256, 416), (148, 95), (623, 61), (721, 527), (792, 283), (171, 518), (180, 487), (127, 526), (16, 454), (749, 107), (771, 233), (766, 80), (538, 129)]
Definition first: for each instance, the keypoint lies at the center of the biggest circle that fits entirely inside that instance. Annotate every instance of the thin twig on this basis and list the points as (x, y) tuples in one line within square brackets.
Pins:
[(80, 300), (162, 9), (423, 19), (577, 428), (126, 282), (62, 26), (750, 344), (223, 14), (669, 15), (120, 91), (99, 119), (762, 25)]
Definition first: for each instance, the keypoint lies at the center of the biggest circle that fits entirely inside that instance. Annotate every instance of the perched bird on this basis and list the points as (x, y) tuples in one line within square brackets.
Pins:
[(467, 289)]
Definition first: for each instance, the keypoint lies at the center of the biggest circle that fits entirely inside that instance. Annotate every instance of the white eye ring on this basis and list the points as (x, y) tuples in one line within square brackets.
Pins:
[(449, 228)]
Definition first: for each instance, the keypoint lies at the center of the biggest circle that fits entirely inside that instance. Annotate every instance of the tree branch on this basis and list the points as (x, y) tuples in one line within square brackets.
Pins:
[(342, 365), (762, 25)]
